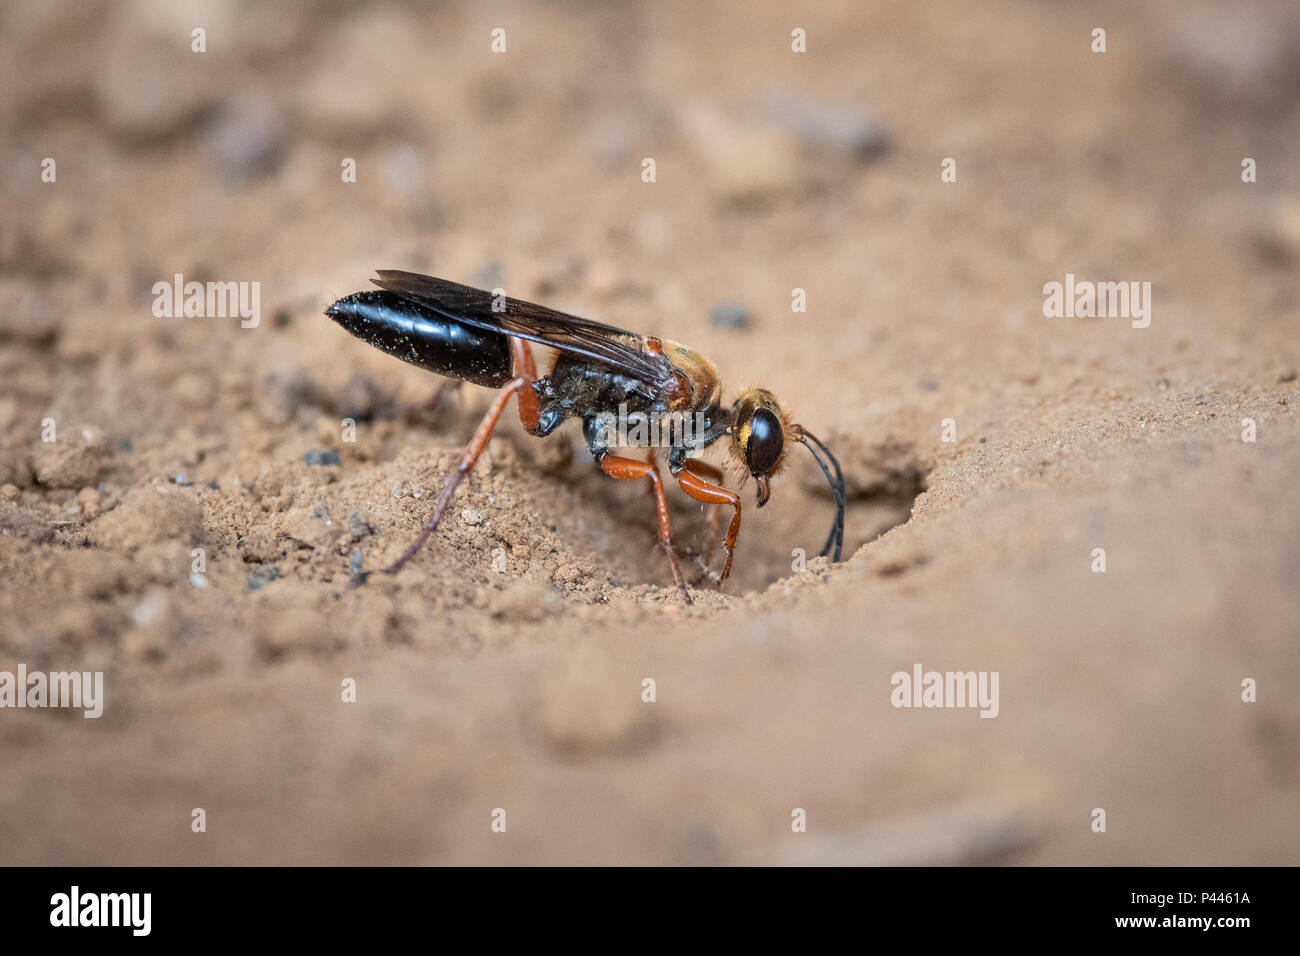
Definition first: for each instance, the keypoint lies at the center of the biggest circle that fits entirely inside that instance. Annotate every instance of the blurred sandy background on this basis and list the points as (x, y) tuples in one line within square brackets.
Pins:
[(775, 171)]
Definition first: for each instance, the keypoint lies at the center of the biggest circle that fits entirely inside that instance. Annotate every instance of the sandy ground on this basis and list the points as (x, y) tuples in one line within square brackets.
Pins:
[(522, 690)]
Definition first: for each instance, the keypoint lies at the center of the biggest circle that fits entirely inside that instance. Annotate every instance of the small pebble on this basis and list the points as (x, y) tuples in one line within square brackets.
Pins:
[(359, 398), (90, 501), (246, 141), (321, 457), (825, 125), (730, 315), (261, 576)]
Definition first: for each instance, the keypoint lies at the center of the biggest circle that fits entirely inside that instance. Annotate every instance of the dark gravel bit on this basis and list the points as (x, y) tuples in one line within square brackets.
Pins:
[(246, 141), (359, 527), (27, 316), (262, 575), (823, 125), (360, 398), (730, 315), (319, 456)]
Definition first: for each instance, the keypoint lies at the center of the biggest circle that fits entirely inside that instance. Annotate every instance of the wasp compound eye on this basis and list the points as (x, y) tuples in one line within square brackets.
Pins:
[(763, 449)]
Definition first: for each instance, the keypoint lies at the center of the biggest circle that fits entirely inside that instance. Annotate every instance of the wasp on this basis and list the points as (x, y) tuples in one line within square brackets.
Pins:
[(599, 372)]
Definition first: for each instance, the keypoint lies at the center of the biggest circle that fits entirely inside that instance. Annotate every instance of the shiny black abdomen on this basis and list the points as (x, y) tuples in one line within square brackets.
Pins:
[(425, 338)]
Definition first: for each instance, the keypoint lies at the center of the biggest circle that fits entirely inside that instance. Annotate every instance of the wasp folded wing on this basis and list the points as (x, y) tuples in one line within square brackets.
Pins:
[(617, 348)]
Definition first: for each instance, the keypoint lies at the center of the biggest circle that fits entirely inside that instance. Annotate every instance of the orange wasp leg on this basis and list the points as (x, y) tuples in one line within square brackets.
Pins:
[(715, 475), (529, 413), (628, 469), (702, 490)]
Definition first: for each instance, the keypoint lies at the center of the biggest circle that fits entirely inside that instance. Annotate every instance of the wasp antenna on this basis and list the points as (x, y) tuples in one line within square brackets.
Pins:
[(836, 536)]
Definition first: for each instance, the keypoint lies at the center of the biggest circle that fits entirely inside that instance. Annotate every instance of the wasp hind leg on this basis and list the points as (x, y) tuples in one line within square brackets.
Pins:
[(529, 413), (629, 469)]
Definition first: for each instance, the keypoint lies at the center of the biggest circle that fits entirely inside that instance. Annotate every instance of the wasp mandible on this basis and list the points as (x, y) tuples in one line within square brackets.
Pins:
[(599, 371)]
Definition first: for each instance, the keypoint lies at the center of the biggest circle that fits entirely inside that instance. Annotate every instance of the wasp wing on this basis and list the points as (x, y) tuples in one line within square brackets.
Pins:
[(617, 348)]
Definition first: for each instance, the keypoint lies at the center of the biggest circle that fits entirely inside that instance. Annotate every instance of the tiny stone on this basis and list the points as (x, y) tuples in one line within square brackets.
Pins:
[(359, 398), (89, 499), (261, 576), (824, 125), (730, 315), (321, 457), (358, 526), (246, 141)]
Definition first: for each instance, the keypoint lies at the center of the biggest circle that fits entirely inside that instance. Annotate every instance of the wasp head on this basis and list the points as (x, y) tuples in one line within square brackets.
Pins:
[(761, 434)]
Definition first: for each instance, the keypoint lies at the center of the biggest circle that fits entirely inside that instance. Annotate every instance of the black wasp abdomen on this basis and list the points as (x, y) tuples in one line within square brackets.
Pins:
[(425, 338)]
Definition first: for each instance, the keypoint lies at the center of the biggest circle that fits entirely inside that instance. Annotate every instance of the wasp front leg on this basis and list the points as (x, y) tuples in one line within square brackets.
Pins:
[(628, 469), (704, 557), (701, 489)]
